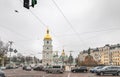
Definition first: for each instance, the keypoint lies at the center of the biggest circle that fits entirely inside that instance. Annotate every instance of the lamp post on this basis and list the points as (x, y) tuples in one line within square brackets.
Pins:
[(11, 50)]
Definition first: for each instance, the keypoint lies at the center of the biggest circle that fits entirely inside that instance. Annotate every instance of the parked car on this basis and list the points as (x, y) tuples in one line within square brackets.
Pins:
[(54, 69), (2, 68), (28, 68), (16, 66), (38, 68), (9, 67), (44, 68), (24, 67), (79, 69), (114, 70), (2, 74), (93, 70)]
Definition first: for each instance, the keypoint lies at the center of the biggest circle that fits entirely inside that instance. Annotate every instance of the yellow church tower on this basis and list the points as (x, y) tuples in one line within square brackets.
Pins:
[(47, 49)]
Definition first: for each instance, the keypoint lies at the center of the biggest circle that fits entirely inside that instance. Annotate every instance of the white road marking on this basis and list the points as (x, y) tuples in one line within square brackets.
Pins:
[(69, 74)]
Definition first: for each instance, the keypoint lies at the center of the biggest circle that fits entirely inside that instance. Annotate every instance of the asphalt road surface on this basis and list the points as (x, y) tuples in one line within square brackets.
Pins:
[(22, 73)]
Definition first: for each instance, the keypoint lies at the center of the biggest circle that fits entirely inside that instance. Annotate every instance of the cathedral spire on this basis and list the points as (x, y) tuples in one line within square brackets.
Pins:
[(47, 31), (47, 36), (63, 53)]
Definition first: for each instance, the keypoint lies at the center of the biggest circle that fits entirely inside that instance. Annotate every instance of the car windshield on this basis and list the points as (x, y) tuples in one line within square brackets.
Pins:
[(56, 66), (83, 67), (95, 67), (104, 67), (99, 67)]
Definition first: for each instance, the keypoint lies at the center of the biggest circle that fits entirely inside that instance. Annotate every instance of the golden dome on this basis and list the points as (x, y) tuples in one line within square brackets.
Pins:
[(47, 36), (63, 53)]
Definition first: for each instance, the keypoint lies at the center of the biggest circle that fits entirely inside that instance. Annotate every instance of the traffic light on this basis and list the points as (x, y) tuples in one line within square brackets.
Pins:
[(26, 4), (34, 2), (15, 51)]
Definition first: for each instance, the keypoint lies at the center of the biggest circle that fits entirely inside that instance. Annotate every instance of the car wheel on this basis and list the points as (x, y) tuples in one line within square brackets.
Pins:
[(97, 74), (118, 73), (58, 71), (113, 74), (101, 73), (53, 72), (85, 71), (47, 71), (73, 71), (61, 72)]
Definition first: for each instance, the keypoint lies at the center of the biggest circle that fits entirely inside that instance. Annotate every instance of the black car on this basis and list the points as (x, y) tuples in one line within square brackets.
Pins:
[(38, 68), (2, 74), (9, 67), (114, 70), (24, 67), (79, 69)]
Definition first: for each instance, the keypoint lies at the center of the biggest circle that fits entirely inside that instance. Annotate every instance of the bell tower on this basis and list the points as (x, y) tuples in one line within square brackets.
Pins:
[(47, 49)]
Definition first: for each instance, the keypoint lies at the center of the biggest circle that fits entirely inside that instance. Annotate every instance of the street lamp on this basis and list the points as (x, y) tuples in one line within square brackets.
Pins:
[(11, 50)]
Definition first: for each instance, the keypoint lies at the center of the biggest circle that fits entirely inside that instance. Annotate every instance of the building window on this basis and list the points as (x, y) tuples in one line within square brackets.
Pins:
[(47, 42), (47, 47)]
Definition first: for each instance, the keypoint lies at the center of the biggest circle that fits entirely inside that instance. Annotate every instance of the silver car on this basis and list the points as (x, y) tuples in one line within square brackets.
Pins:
[(55, 69), (2, 74), (114, 70)]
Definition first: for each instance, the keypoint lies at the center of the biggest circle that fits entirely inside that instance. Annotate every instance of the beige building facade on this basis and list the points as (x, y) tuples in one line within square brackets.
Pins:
[(107, 55), (116, 56)]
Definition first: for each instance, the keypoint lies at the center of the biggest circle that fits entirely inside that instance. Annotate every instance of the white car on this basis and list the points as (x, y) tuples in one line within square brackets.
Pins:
[(28, 68), (2, 68)]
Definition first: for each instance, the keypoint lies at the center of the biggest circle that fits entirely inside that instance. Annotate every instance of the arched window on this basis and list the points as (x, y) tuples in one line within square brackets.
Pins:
[(47, 42)]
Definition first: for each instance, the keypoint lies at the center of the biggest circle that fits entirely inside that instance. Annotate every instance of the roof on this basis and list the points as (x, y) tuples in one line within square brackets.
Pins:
[(47, 36)]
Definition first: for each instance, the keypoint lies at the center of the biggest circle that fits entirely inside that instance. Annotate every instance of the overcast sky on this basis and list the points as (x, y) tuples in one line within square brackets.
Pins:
[(90, 23)]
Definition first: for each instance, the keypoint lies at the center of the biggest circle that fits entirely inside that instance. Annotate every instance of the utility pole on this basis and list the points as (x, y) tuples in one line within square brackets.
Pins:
[(10, 50)]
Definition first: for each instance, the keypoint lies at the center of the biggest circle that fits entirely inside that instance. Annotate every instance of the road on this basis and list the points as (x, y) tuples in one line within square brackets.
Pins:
[(22, 73)]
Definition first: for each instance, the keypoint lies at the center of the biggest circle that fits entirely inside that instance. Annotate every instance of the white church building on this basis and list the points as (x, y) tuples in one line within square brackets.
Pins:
[(49, 57)]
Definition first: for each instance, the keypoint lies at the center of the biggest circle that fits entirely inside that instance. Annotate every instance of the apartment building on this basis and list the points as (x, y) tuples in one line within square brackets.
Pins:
[(107, 55), (115, 54)]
